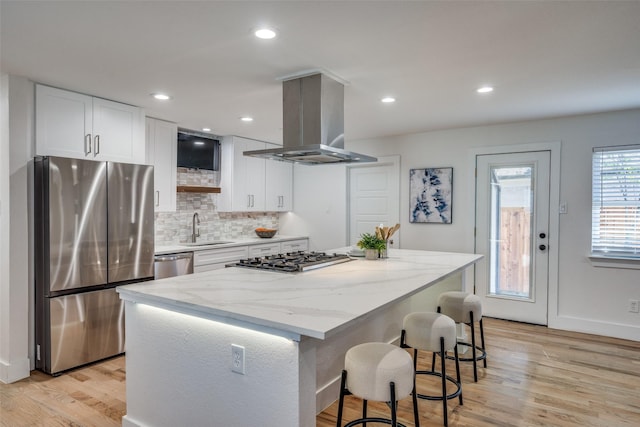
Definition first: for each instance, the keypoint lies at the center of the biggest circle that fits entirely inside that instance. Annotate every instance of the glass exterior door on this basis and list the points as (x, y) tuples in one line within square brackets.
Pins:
[(512, 220)]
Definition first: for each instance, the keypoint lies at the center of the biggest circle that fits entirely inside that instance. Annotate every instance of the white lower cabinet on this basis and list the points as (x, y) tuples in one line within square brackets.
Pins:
[(214, 259), (264, 250), (294, 245)]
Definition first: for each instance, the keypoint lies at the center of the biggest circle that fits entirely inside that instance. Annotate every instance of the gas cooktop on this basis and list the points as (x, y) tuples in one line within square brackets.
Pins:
[(292, 262)]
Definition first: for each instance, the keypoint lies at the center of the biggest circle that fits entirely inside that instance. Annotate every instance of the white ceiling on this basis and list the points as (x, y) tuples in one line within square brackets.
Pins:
[(545, 58)]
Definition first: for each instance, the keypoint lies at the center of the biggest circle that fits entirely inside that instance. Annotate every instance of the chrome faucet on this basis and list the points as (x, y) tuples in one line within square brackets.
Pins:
[(195, 234)]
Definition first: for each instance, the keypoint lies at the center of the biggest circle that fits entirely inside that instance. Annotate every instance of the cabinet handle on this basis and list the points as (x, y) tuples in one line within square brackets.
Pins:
[(96, 145), (248, 200), (252, 200), (157, 197), (87, 144)]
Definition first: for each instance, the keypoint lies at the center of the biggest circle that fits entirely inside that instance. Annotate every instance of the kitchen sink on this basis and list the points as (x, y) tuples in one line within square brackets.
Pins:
[(211, 242)]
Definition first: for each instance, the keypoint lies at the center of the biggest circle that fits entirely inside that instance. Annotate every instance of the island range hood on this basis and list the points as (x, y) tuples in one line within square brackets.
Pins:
[(313, 124)]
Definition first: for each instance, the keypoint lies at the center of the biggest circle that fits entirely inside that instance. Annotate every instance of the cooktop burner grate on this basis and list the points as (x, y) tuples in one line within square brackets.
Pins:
[(292, 262)]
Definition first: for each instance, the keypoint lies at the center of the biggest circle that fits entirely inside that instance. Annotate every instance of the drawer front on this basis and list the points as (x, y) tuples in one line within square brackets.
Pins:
[(264, 250), (219, 256), (295, 245), (209, 267)]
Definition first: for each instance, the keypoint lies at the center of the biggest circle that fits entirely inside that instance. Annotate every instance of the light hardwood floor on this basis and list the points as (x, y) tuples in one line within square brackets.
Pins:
[(536, 377)]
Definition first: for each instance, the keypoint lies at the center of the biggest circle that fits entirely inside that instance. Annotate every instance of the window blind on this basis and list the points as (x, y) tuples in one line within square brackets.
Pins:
[(615, 219)]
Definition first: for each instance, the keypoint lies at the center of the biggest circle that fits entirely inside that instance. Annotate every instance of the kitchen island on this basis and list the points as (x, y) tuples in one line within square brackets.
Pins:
[(294, 329)]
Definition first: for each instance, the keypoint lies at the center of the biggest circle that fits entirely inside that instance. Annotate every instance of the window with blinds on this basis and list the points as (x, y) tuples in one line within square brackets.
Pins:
[(615, 219)]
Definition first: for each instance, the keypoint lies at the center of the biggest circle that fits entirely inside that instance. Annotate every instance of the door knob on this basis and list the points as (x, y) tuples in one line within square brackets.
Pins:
[(542, 247), (542, 235)]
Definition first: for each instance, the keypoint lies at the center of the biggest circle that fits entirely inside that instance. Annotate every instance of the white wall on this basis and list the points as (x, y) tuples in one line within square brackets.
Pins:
[(590, 299), (16, 142), (319, 203)]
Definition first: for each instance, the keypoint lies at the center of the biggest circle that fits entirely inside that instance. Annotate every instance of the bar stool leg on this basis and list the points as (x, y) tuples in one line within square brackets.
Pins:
[(433, 355), (343, 384), (394, 416), (473, 348), (364, 411), (484, 361), (455, 352), (416, 414), (444, 381)]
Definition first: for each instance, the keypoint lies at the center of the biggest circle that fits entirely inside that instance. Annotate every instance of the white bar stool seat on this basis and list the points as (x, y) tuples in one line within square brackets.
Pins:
[(380, 372), (436, 333), (466, 308)]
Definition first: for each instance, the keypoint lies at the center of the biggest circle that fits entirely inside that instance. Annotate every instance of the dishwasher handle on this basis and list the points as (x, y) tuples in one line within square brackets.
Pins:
[(173, 257)]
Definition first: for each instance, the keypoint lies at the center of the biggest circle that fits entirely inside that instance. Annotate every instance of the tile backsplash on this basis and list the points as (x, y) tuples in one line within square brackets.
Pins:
[(176, 227)]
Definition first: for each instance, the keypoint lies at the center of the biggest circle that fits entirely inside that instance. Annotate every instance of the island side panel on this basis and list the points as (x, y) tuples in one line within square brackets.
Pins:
[(179, 373), (382, 326)]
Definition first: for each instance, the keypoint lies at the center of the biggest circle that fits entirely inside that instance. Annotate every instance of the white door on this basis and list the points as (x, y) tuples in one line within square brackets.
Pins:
[(374, 197), (512, 232)]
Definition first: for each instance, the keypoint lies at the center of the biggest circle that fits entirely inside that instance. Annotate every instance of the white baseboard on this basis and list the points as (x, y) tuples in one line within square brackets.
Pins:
[(589, 326), (127, 421), (12, 372)]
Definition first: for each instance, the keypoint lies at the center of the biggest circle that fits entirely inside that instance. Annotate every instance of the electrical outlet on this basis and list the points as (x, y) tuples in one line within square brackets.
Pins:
[(237, 358), (633, 306)]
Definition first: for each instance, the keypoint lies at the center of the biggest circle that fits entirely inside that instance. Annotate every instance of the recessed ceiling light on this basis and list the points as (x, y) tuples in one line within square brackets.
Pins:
[(206, 129), (265, 33), (198, 143), (246, 119), (485, 89), (388, 99), (161, 96)]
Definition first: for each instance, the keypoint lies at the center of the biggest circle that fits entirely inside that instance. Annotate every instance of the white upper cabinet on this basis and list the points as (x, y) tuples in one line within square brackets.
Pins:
[(162, 149), (245, 180), (70, 124), (279, 185)]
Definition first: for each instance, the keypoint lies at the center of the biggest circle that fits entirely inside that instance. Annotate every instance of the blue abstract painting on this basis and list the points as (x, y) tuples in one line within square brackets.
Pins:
[(430, 193)]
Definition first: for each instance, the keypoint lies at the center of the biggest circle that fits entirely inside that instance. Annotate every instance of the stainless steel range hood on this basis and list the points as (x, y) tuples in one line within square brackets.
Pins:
[(313, 124)]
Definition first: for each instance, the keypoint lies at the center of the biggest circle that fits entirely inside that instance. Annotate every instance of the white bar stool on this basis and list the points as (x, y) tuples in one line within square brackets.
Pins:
[(465, 308), (436, 333), (380, 372)]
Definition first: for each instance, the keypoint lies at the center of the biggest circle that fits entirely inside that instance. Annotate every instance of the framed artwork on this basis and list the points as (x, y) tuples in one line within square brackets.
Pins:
[(430, 195)]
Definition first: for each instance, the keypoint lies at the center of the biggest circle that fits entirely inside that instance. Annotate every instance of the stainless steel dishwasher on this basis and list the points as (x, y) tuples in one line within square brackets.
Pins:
[(171, 265)]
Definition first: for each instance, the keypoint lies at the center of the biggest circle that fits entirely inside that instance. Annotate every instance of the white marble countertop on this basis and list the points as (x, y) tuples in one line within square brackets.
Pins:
[(172, 249), (315, 303)]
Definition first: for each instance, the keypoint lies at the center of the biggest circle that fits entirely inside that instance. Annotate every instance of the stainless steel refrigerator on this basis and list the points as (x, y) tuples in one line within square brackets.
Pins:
[(94, 231)]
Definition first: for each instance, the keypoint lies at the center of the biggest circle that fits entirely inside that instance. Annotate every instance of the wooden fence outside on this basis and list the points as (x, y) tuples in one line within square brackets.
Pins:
[(515, 251)]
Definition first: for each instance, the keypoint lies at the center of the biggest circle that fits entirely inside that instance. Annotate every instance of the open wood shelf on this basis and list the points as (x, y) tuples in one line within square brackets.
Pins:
[(197, 189)]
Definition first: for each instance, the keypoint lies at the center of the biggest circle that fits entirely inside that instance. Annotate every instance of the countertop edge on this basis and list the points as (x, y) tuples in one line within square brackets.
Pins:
[(257, 324), (172, 249)]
